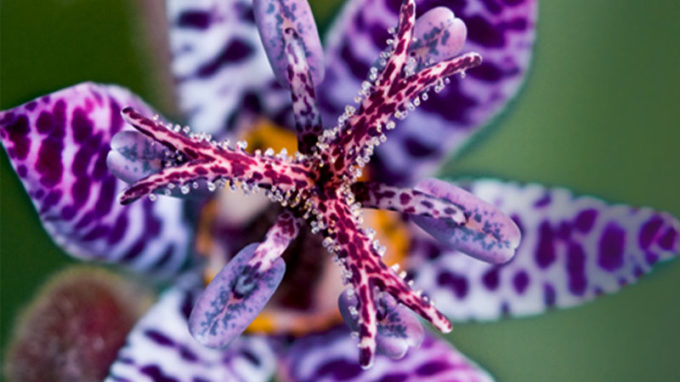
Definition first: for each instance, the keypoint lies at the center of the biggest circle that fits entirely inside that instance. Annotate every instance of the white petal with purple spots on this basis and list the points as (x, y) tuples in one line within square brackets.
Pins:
[(331, 357), (573, 249), (220, 65), (160, 348), (58, 146)]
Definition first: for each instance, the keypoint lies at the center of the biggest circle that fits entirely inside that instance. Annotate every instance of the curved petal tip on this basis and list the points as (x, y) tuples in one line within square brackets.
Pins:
[(273, 18), (398, 328), (233, 299), (488, 234), (439, 35)]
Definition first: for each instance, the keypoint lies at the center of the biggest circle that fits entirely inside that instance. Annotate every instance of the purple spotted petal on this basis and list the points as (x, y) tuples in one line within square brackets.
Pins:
[(331, 356), (439, 35), (573, 249), (398, 328), (501, 32), (233, 299), (273, 17), (58, 146), (488, 234), (160, 348), (220, 65)]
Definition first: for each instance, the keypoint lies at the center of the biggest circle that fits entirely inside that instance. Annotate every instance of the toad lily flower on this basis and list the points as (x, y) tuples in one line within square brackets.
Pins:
[(320, 186), (267, 265)]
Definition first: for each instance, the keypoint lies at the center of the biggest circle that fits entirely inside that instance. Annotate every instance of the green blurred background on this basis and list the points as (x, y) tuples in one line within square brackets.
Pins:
[(599, 114)]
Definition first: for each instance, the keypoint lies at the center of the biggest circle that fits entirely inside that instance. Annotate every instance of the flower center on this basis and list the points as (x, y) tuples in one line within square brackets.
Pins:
[(300, 305)]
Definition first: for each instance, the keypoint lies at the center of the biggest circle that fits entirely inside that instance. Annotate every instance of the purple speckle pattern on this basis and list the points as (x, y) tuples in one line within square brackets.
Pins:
[(58, 145), (398, 328), (501, 32), (273, 18), (234, 298), (160, 348), (487, 233), (220, 66), (331, 357), (573, 249)]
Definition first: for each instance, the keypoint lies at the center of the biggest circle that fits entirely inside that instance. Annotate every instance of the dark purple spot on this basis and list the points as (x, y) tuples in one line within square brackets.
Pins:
[(50, 201), (159, 338), (187, 305), (156, 374), (165, 258), (378, 33), (564, 231), (49, 156), (513, 3), (85, 220), (106, 197), (6, 118), (458, 284), (545, 249), (22, 171), (484, 33), (492, 6), (520, 281), (80, 191), (519, 24), (100, 169), (194, 20), (576, 269), (549, 295), (17, 133), (543, 201), (491, 278), (96, 233), (428, 204), (417, 148), (395, 377), (668, 239), (505, 309), (338, 369), (611, 246), (651, 257), (489, 72), (250, 357), (236, 51), (81, 161), (135, 250), (432, 368), (649, 230), (404, 198), (118, 230), (585, 220), (81, 125), (187, 354), (68, 212), (44, 122), (115, 119)]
